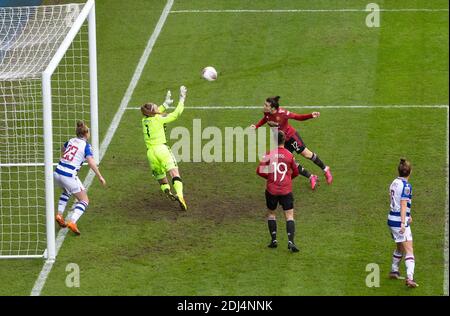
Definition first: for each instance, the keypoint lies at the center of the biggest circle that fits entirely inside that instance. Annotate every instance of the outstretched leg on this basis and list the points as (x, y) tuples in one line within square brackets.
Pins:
[(312, 177), (315, 158), (295, 144)]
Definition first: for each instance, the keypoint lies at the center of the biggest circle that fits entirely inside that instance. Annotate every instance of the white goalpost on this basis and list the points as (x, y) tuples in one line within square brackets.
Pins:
[(48, 81)]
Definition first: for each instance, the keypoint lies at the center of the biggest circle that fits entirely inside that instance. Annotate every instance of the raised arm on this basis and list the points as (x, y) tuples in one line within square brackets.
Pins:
[(178, 110), (167, 102), (260, 123), (300, 117)]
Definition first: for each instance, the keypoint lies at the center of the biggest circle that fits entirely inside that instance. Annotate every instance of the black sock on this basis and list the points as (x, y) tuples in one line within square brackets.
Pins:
[(272, 223), (290, 228), (176, 179), (317, 161), (304, 172)]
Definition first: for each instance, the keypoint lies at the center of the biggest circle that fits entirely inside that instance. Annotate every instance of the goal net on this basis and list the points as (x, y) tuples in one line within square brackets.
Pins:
[(47, 83)]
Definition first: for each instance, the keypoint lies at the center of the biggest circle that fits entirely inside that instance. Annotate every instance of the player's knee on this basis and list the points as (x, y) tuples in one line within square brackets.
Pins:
[(307, 153), (163, 181), (174, 173), (289, 215), (271, 215)]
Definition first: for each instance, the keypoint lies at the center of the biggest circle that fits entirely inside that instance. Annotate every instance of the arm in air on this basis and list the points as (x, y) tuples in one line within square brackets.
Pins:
[(260, 123), (178, 110), (167, 103), (302, 117)]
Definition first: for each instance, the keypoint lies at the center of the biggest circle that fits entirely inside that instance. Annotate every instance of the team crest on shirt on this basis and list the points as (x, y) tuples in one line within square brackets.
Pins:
[(407, 190)]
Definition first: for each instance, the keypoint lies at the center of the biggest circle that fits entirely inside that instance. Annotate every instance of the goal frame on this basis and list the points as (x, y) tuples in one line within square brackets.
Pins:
[(86, 13)]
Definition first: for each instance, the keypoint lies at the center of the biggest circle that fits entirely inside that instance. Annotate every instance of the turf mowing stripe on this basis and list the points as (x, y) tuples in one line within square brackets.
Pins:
[(446, 224), (252, 107), (308, 10), (46, 269)]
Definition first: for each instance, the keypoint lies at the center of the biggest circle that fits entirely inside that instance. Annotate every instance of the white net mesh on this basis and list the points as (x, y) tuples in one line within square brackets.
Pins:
[(29, 38)]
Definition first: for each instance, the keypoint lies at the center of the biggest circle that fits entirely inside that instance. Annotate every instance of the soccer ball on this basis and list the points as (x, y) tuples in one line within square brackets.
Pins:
[(209, 73)]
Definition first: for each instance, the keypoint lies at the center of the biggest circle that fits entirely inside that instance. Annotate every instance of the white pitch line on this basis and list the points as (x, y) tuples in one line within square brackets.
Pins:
[(446, 222), (46, 269), (307, 10), (252, 107)]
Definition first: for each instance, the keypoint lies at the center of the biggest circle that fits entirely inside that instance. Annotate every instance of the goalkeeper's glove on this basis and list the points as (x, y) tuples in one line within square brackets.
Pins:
[(183, 91), (168, 101)]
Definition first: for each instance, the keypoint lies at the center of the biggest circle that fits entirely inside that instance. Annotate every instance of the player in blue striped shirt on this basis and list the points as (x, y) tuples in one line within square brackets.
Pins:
[(73, 154), (399, 220)]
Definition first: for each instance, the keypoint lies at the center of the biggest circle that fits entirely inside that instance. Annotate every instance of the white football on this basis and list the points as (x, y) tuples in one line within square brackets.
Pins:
[(209, 73)]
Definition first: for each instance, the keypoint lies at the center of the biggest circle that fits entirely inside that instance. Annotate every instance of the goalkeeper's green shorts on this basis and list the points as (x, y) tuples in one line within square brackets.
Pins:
[(161, 160)]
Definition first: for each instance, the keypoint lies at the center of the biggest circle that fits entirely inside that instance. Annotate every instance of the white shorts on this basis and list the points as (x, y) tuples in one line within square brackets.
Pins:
[(71, 185), (398, 237)]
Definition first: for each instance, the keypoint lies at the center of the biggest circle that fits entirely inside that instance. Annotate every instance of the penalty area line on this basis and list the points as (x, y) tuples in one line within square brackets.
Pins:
[(46, 269)]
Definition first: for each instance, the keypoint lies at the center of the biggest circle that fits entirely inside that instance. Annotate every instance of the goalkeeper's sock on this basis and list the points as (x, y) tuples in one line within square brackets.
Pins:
[(79, 209), (62, 203), (178, 186), (164, 187)]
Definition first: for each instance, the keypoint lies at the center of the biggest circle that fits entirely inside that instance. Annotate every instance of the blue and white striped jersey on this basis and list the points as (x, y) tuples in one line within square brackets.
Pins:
[(76, 150), (400, 189)]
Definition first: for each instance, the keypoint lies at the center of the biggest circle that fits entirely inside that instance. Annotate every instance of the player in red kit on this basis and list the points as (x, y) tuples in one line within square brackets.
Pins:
[(275, 116), (279, 168)]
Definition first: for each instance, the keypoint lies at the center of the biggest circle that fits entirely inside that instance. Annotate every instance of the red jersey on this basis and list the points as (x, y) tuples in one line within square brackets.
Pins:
[(279, 168), (281, 116)]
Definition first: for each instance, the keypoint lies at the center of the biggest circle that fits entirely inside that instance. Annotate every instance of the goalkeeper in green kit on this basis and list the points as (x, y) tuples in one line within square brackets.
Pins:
[(159, 155)]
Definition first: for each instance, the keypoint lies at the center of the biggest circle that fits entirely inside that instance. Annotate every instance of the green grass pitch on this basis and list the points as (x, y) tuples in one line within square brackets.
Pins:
[(134, 242)]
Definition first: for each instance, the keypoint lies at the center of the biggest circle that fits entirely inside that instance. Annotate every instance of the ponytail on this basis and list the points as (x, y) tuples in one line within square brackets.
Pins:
[(274, 101), (82, 129)]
